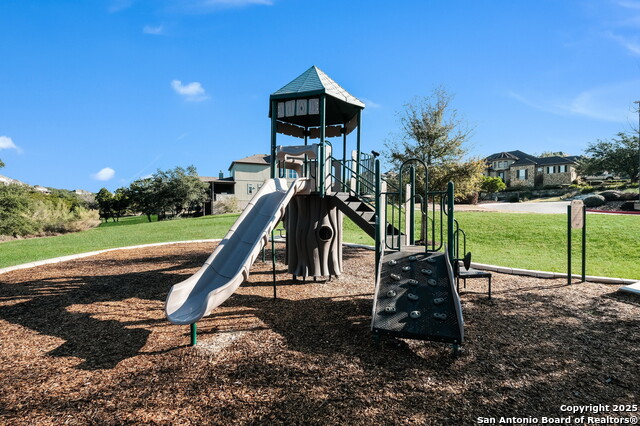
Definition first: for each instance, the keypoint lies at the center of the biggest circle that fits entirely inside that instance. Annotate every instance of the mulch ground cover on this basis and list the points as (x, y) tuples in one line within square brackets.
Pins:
[(87, 341)]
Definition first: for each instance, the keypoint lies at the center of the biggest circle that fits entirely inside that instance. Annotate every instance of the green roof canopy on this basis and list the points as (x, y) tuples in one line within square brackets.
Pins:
[(296, 101)]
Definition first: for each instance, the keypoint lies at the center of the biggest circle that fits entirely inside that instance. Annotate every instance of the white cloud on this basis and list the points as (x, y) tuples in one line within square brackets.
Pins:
[(609, 102), (631, 45), (629, 4), (236, 3), (370, 104), (149, 29), (7, 143), (104, 174), (118, 5), (193, 92)]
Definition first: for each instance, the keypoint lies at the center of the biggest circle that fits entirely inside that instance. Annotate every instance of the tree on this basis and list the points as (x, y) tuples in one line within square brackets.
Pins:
[(120, 203), (144, 198), (432, 132), (618, 155), (492, 184), (104, 198), (1, 164)]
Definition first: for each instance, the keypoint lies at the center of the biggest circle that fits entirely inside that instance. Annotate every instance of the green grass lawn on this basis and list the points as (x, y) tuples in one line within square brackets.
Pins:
[(530, 241)]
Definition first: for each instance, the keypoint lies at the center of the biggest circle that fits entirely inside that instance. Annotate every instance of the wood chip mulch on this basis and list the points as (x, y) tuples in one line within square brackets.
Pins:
[(86, 341)]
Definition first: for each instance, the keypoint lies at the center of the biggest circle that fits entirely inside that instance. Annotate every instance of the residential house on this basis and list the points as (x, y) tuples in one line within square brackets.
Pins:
[(246, 177), (519, 169)]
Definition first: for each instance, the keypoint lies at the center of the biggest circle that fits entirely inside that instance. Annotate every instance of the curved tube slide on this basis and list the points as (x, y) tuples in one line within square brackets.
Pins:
[(228, 266)]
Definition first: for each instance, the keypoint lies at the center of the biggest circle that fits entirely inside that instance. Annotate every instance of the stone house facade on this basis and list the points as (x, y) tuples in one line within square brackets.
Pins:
[(519, 169)]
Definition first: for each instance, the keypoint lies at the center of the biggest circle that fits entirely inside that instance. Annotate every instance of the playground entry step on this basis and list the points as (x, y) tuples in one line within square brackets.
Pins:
[(416, 297)]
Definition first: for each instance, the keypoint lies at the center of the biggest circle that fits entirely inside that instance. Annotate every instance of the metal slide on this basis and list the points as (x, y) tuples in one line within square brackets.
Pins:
[(229, 265)]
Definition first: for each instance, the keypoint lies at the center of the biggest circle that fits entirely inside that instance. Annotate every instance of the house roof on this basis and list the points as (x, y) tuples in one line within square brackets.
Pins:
[(524, 159), (228, 180), (260, 159)]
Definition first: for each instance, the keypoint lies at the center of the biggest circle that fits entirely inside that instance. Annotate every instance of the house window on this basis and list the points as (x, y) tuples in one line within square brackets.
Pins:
[(562, 169), (551, 170), (292, 174), (522, 174), (250, 188)]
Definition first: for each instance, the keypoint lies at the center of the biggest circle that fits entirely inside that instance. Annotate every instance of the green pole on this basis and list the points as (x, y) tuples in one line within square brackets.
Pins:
[(305, 168), (412, 206), (358, 153), (450, 222), (569, 244), (379, 208), (323, 134), (343, 172), (584, 243), (273, 263), (274, 131), (194, 334)]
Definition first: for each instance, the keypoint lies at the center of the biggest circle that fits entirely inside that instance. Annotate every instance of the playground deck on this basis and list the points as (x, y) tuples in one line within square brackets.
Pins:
[(87, 341)]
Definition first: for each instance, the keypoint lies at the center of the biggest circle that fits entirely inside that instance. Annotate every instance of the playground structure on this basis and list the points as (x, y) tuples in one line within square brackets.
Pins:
[(415, 295)]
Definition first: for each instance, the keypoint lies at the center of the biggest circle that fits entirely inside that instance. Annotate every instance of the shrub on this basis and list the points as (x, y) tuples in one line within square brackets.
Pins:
[(611, 195), (226, 205), (594, 201), (15, 203)]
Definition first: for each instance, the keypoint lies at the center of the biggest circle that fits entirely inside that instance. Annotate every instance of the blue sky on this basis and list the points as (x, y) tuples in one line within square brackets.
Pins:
[(98, 93)]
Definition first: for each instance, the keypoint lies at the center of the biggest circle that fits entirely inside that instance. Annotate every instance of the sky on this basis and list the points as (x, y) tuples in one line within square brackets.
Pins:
[(99, 93)]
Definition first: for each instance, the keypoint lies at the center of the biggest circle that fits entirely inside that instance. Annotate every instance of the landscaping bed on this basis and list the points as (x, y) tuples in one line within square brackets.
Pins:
[(86, 341)]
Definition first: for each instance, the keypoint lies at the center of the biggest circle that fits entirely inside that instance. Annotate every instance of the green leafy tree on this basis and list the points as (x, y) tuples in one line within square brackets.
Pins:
[(104, 199), (1, 164), (492, 185), (431, 131), (143, 197), (15, 216), (120, 203), (618, 155)]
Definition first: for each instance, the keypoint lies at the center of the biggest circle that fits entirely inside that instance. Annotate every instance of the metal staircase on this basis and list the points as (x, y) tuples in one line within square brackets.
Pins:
[(362, 213)]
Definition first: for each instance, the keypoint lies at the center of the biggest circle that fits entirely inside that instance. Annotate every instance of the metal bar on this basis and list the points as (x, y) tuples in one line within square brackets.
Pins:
[(194, 334), (412, 206), (450, 223), (378, 200), (274, 131), (584, 243), (273, 263), (569, 244), (344, 152), (323, 134), (359, 119)]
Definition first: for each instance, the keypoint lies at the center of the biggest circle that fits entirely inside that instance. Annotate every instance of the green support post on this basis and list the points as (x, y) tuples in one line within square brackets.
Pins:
[(450, 222), (274, 131), (584, 243), (194, 334), (412, 206), (379, 208), (323, 135), (343, 171), (273, 263), (569, 244), (358, 154)]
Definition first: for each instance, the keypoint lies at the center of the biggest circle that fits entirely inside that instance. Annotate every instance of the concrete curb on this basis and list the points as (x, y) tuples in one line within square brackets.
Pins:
[(483, 266), (546, 274), (93, 253)]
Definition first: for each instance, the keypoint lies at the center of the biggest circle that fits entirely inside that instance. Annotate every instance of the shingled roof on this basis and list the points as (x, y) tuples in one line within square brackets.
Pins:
[(341, 106), (260, 159), (315, 82)]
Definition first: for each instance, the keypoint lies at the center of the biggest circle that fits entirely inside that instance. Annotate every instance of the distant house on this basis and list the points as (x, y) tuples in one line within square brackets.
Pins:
[(247, 176), (519, 169)]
